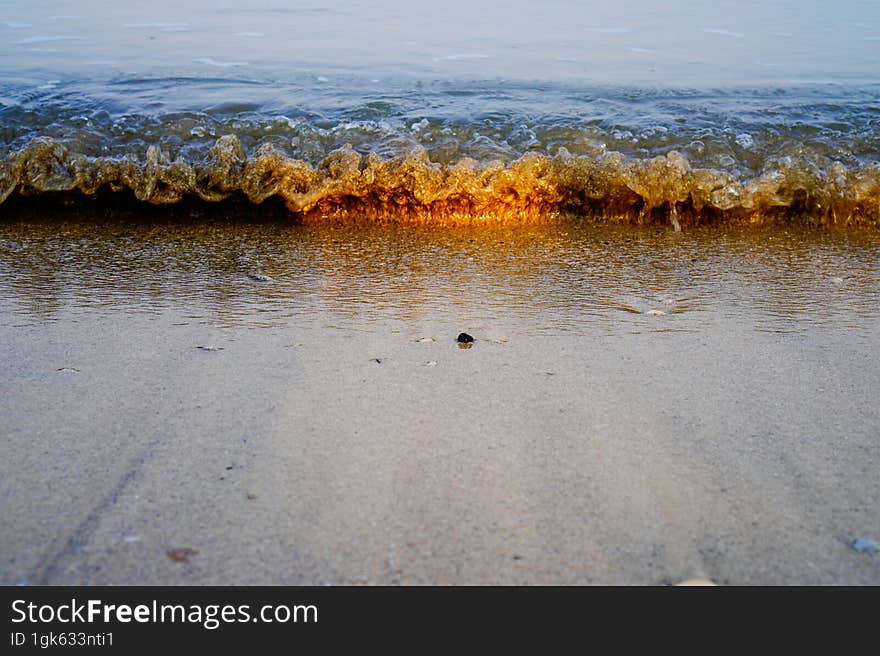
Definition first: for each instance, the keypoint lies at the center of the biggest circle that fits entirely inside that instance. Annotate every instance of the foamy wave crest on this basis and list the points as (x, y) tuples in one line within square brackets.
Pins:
[(412, 188)]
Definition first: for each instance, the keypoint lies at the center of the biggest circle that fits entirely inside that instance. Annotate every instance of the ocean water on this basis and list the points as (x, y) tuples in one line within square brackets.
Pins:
[(474, 113)]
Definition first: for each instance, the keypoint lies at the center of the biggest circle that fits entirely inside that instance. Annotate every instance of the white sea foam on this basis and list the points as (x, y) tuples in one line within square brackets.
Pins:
[(220, 64), (723, 32), (46, 39), (745, 140), (462, 57), (165, 27)]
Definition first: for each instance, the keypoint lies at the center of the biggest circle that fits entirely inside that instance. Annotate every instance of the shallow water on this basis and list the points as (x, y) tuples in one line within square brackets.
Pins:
[(572, 279)]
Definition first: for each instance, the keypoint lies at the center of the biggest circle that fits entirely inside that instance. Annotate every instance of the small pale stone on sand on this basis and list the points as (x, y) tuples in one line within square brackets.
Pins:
[(431, 363), (655, 313), (866, 545), (425, 340), (132, 538), (689, 583), (837, 280)]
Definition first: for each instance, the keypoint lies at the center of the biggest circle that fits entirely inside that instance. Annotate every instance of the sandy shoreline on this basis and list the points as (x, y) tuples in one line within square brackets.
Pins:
[(617, 450)]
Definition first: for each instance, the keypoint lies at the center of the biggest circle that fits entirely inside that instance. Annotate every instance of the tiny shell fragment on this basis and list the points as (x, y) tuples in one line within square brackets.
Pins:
[(181, 554)]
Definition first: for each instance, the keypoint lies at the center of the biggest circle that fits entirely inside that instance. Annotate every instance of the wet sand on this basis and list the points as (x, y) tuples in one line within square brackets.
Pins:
[(580, 440)]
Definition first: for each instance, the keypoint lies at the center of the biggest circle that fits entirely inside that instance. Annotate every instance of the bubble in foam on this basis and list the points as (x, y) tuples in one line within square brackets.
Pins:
[(745, 140)]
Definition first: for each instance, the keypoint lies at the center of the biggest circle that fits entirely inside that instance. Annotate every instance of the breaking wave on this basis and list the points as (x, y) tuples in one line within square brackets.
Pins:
[(676, 160)]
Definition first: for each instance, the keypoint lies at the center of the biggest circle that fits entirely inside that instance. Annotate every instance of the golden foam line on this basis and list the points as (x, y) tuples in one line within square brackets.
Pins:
[(536, 188)]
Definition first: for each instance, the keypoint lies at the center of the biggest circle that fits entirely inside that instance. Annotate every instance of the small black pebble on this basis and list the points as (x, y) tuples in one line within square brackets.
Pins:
[(376, 360), (464, 338)]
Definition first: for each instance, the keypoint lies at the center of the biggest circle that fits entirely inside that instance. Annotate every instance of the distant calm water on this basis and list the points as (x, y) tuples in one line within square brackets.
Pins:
[(490, 111)]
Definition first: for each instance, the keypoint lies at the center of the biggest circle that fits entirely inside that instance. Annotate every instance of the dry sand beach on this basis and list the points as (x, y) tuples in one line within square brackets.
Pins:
[(639, 406)]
